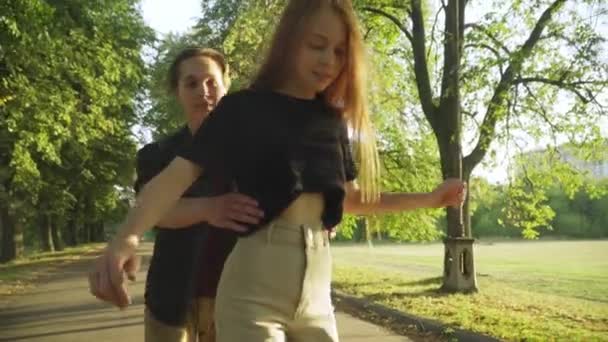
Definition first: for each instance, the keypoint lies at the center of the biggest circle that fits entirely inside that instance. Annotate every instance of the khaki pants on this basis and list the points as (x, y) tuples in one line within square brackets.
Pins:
[(199, 324), (275, 287)]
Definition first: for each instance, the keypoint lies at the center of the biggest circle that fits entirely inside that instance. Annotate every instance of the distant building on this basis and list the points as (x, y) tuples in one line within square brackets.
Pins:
[(596, 169)]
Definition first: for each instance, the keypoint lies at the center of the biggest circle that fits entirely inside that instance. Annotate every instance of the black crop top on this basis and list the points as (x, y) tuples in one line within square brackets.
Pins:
[(276, 147)]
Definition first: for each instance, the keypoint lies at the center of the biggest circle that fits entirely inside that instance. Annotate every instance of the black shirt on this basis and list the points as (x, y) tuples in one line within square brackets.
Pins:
[(276, 147), (179, 254)]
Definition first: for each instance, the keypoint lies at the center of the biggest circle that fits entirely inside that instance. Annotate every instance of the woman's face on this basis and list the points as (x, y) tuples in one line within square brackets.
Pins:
[(200, 86), (321, 55)]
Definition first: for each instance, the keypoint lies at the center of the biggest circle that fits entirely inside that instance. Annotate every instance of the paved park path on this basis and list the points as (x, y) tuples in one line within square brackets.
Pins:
[(61, 309)]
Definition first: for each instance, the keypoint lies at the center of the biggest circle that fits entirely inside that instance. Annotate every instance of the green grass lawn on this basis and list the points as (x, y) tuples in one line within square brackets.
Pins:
[(17, 275), (555, 290)]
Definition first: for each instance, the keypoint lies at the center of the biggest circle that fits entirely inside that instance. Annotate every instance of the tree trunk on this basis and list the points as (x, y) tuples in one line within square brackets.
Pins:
[(86, 232), (466, 207), (18, 239), (12, 237), (364, 228), (98, 232), (455, 216), (46, 237), (2, 223), (71, 232), (459, 267), (56, 235)]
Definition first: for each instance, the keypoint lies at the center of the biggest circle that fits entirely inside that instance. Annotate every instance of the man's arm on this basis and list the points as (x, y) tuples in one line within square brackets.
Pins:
[(187, 211), (228, 211)]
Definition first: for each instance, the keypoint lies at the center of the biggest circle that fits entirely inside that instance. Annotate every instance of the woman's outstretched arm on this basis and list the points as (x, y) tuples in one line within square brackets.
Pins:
[(158, 196), (107, 279), (450, 193)]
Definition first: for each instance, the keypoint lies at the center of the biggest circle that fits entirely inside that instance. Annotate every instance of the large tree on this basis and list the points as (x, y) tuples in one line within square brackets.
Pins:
[(70, 73), (524, 66)]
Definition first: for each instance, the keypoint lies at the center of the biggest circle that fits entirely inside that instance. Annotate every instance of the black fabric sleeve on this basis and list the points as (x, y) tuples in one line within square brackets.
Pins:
[(148, 165), (215, 144), (350, 168)]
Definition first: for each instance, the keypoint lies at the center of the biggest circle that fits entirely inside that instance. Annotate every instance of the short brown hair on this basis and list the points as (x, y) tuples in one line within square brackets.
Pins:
[(187, 53)]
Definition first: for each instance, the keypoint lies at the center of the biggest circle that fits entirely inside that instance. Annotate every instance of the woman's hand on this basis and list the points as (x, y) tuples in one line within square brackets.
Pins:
[(451, 193), (110, 271)]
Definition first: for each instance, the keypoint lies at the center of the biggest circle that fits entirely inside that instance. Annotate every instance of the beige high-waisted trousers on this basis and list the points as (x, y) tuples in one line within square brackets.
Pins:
[(275, 287)]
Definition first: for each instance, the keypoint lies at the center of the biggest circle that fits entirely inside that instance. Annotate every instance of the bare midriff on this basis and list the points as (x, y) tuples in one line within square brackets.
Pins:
[(306, 209)]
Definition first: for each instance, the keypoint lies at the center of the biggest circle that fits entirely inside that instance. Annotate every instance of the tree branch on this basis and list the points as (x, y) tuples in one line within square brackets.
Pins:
[(417, 39), (543, 113), (423, 81), (392, 18), (461, 15), (390, 171), (571, 86), (489, 35), (493, 112), (369, 30), (471, 116), (441, 8), (493, 50)]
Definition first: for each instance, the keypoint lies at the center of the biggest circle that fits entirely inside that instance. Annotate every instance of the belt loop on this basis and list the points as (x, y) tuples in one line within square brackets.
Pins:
[(305, 236), (322, 238), (310, 237)]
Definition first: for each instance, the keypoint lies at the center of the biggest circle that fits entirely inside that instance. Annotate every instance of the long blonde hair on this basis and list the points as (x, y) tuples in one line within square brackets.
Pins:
[(347, 94)]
